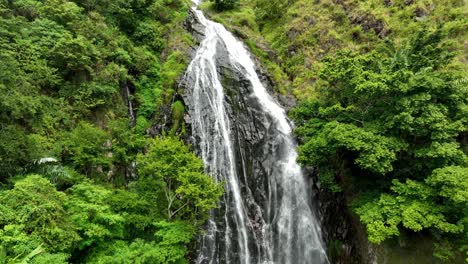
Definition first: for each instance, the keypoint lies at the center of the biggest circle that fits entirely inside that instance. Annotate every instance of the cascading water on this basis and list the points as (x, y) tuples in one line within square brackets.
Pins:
[(244, 138)]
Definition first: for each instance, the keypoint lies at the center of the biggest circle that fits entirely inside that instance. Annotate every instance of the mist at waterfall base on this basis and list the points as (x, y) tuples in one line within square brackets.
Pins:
[(245, 141)]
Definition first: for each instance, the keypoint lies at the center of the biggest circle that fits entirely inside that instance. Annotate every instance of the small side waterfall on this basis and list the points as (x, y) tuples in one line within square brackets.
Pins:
[(245, 140), (131, 111)]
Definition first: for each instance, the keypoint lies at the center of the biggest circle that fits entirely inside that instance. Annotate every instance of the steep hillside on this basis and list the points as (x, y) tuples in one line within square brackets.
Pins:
[(68, 62), (297, 34)]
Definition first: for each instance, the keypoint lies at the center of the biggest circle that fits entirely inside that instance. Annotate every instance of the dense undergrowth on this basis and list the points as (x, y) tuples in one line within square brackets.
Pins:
[(69, 72), (383, 102)]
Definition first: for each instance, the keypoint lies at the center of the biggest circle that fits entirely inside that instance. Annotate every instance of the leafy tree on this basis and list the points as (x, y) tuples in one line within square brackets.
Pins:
[(170, 247), (451, 183), (12, 150), (90, 212), (126, 144), (375, 153), (86, 147), (173, 177), (438, 204), (139, 213)]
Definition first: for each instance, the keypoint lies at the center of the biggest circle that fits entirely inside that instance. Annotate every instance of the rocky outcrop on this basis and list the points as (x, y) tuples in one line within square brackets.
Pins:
[(346, 238), (195, 28), (367, 21)]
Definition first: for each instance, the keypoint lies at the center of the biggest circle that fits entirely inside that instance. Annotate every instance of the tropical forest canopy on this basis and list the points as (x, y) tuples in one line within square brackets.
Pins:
[(93, 167)]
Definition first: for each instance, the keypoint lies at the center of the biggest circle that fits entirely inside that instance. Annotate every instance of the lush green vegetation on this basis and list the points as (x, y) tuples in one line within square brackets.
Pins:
[(65, 66), (70, 189), (398, 114), (61, 216), (383, 105), (383, 116)]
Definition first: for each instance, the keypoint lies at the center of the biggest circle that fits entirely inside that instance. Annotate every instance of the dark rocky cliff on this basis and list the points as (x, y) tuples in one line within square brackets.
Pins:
[(342, 232)]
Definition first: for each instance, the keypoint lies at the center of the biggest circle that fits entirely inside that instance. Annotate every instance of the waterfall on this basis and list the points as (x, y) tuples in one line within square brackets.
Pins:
[(245, 140), (131, 111)]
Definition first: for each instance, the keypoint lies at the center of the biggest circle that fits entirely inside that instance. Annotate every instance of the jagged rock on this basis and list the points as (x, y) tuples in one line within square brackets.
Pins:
[(194, 27), (366, 21), (369, 22), (293, 33), (287, 101)]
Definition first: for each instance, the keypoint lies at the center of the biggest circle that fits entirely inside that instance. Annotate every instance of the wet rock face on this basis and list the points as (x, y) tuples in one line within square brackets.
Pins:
[(194, 27), (244, 139), (346, 239), (251, 132), (249, 125), (249, 129)]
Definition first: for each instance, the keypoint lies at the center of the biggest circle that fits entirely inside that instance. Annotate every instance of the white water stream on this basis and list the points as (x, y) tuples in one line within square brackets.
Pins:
[(285, 230)]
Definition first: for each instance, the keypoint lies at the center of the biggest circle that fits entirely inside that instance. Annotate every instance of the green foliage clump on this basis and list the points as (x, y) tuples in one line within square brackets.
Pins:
[(33, 215), (172, 69), (91, 214), (86, 146), (169, 247), (149, 92), (375, 153), (174, 177)]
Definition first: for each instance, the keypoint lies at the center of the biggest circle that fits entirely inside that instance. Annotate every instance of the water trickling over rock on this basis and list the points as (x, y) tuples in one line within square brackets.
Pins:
[(244, 138)]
